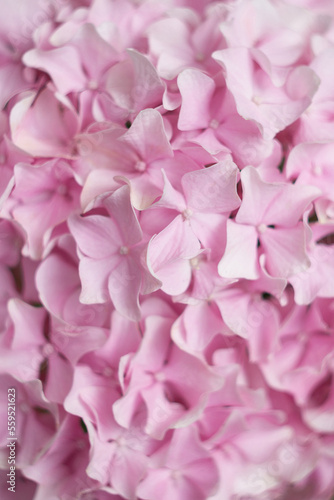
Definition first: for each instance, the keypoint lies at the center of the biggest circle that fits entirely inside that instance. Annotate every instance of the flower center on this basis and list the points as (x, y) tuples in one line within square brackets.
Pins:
[(124, 250), (121, 441), (317, 170), (262, 228), (176, 474), (257, 100), (48, 349), (195, 263), (214, 124), (93, 85), (199, 57), (159, 377), (186, 214), (140, 166)]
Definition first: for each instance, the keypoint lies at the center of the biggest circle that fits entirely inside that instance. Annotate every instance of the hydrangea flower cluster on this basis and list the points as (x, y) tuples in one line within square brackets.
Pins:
[(166, 249)]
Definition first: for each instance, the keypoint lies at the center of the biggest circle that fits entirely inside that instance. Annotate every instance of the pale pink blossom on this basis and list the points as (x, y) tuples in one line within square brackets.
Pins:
[(43, 197), (269, 218), (167, 249), (110, 255)]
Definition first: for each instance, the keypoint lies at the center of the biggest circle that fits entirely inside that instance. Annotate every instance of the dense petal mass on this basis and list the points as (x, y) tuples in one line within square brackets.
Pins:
[(167, 250)]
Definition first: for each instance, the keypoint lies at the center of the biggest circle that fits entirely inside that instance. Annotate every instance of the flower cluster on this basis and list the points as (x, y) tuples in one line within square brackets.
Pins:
[(166, 248)]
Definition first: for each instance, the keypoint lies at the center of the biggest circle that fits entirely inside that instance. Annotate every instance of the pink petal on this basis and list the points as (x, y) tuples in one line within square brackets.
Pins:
[(170, 198), (94, 278), (124, 286), (213, 189), (62, 64), (285, 250), (168, 255), (257, 197), (12, 82), (119, 206), (97, 237), (194, 330), (240, 256), (59, 378), (148, 137)]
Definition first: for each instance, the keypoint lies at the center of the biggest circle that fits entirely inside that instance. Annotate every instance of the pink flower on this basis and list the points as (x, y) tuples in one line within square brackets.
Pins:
[(43, 197), (208, 110), (167, 386), (138, 155), (305, 356), (317, 280), (22, 346), (59, 288), (183, 469), (77, 65), (270, 214), (132, 85), (169, 256), (272, 105), (207, 195), (191, 46), (309, 164), (16, 31), (43, 124), (60, 469), (112, 460), (110, 255), (316, 124)]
